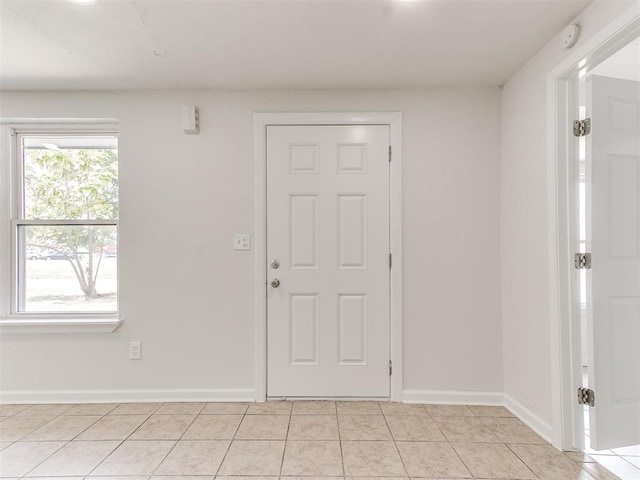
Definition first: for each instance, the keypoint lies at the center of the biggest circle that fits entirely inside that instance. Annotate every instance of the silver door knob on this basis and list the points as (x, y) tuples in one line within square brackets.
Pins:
[(275, 264), (275, 283)]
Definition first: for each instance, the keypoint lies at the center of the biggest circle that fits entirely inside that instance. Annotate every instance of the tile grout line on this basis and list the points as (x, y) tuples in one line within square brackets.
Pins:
[(473, 475), (233, 437), (344, 473), (286, 437), (122, 440), (67, 442), (522, 460), (393, 439), (178, 440)]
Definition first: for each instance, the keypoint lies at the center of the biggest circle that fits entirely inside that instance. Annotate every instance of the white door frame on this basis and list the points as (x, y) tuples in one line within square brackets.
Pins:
[(562, 101), (260, 123)]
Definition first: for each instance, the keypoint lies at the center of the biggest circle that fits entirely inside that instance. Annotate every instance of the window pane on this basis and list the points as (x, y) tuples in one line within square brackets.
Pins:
[(70, 178), (69, 268)]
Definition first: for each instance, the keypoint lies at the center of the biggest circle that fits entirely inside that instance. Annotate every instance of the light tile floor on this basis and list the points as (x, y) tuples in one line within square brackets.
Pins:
[(289, 440)]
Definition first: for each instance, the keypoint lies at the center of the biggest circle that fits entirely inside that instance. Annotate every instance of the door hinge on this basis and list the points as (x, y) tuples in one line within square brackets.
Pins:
[(582, 261), (586, 396), (390, 368), (390, 260), (582, 127), (389, 152)]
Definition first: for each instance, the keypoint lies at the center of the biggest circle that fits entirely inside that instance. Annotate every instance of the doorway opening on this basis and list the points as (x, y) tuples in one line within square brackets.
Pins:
[(614, 421), (618, 79)]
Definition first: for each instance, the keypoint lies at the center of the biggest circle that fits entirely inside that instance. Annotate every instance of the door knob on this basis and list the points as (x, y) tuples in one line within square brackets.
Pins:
[(275, 283)]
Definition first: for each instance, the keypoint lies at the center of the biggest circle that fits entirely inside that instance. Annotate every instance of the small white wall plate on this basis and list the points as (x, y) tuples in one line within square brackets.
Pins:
[(570, 35)]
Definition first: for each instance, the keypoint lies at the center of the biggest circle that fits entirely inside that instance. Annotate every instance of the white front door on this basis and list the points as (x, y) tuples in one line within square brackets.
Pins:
[(613, 231), (328, 247)]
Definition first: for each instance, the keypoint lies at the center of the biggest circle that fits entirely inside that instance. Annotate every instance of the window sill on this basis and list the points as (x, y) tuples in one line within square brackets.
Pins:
[(58, 325)]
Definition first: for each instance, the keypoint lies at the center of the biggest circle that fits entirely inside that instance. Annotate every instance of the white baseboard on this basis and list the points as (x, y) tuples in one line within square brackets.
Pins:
[(533, 421), (125, 396), (452, 397)]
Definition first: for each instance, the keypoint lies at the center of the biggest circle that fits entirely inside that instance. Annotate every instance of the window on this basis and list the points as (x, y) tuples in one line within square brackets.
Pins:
[(65, 223)]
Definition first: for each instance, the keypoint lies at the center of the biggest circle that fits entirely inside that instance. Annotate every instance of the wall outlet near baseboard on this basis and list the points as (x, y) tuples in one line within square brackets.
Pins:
[(134, 351)]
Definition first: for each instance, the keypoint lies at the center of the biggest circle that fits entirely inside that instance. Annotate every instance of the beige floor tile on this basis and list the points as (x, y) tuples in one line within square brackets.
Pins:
[(358, 408), (253, 458), (313, 427), (4, 445), (21, 457), (180, 477), (512, 430), (15, 428), (372, 458), (8, 409), (312, 407), (91, 409), (75, 458), (393, 408), (487, 460), (113, 427), (135, 458), (414, 428), (299, 477), (135, 409), (363, 427), (224, 409), (579, 457), (50, 410), (547, 462), (63, 428), (319, 458), (56, 478), (119, 477), (465, 429), (270, 408), (263, 427), (618, 466), (213, 427), (490, 411), (180, 408), (449, 411), (431, 459), (200, 457), (163, 427), (241, 477), (379, 478)]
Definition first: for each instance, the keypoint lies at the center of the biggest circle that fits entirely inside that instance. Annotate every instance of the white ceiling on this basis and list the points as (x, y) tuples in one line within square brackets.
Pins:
[(272, 44)]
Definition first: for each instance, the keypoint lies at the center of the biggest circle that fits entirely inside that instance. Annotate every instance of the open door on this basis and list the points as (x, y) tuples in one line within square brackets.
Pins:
[(613, 238)]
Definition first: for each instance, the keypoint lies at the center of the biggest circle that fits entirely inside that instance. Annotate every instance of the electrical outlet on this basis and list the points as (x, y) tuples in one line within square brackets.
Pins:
[(134, 351)]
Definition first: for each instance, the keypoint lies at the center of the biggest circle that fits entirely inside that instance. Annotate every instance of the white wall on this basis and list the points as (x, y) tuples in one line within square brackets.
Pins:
[(186, 294), (525, 280)]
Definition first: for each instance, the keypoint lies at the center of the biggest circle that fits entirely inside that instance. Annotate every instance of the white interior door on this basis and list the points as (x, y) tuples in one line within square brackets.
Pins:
[(613, 231), (328, 229)]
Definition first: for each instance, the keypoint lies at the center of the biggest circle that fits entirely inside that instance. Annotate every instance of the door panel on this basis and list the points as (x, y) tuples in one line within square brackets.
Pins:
[(328, 226), (613, 213)]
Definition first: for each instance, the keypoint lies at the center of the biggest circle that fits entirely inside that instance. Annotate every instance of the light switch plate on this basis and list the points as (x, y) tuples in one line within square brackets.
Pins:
[(242, 241)]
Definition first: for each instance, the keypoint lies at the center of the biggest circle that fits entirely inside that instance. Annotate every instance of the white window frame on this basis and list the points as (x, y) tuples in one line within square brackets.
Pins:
[(11, 319)]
